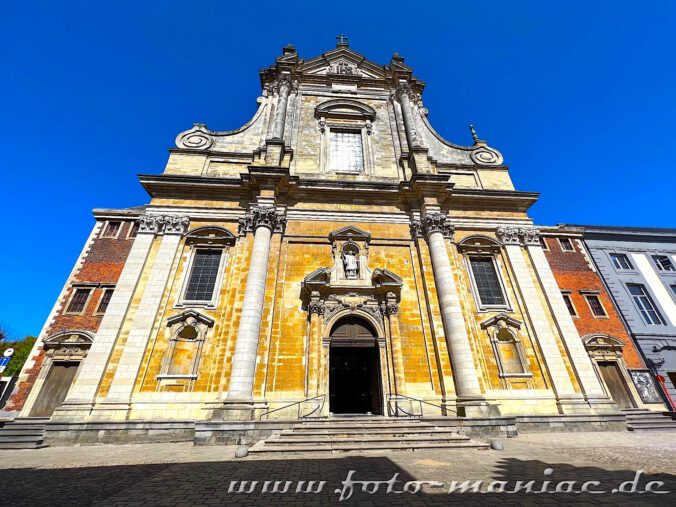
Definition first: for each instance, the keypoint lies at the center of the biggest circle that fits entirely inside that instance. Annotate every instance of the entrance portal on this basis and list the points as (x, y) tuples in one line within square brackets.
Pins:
[(354, 369)]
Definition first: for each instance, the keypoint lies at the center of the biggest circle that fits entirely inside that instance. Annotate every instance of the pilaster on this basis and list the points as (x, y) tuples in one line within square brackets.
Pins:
[(83, 391), (146, 315)]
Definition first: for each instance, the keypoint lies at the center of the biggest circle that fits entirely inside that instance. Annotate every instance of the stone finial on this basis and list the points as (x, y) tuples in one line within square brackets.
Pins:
[(475, 136), (342, 41)]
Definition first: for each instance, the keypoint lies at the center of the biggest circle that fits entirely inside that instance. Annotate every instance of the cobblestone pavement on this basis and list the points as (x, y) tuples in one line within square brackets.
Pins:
[(182, 474)]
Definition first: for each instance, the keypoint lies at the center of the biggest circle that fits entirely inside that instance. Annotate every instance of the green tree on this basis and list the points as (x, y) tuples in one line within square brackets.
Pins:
[(21, 351)]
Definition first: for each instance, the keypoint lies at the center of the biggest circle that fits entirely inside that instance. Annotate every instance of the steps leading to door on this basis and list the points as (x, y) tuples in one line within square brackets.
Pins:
[(23, 433), (367, 434), (645, 420)]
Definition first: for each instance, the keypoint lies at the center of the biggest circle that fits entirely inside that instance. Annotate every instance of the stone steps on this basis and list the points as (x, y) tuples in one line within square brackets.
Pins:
[(354, 435), (645, 420), (23, 433)]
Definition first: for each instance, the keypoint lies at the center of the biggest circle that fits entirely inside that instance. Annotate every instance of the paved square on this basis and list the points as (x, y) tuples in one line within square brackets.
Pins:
[(182, 474)]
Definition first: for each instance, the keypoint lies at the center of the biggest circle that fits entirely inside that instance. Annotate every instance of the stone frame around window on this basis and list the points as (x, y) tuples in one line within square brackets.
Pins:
[(567, 294), (629, 260), (175, 326), (91, 287), (486, 247), (596, 293), (205, 238), (104, 288), (104, 229), (346, 115), (504, 323), (660, 270)]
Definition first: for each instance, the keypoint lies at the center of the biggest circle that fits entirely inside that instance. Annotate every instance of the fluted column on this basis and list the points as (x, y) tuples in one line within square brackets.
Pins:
[(403, 95), (263, 221), (280, 111), (435, 226)]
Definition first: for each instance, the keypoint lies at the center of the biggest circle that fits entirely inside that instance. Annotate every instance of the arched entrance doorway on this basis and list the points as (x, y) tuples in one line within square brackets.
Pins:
[(354, 368)]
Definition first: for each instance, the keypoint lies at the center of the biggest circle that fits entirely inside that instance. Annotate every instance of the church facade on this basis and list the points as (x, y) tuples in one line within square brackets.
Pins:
[(334, 255)]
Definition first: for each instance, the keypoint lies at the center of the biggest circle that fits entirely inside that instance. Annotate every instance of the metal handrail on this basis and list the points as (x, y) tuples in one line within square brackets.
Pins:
[(317, 408), (397, 408)]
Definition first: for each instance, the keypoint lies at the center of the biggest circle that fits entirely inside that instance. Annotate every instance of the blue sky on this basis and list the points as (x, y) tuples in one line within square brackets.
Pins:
[(578, 96)]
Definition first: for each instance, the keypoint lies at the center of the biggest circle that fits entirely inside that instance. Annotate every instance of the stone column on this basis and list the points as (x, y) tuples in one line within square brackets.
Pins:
[(403, 95), (145, 317), (316, 310), (85, 386), (391, 310), (280, 111), (263, 221), (580, 360), (436, 227)]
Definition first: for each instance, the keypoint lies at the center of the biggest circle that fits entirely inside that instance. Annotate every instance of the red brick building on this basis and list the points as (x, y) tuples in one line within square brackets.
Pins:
[(598, 322), (70, 329)]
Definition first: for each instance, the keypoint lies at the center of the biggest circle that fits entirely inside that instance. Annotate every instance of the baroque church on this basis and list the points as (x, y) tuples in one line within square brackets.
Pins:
[(334, 255)]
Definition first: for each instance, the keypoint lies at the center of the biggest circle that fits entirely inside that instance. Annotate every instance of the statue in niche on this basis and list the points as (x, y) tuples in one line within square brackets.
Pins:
[(351, 261)]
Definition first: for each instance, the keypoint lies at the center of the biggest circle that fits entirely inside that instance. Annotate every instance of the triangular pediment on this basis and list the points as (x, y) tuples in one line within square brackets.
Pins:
[(501, 317), (386, 278), (350, 232), (191, 314), (343, 62)]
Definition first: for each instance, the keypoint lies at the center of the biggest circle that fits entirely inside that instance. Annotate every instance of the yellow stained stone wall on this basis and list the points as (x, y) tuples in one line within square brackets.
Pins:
[(282, 372)]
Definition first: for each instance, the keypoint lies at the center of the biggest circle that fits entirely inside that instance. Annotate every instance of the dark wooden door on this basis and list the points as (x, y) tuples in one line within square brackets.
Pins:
[(615, 382), (354, 384), (54, 388)]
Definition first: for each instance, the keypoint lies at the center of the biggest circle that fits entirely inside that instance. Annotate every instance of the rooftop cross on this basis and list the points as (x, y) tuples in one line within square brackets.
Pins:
[(474, 134), (342, 41)]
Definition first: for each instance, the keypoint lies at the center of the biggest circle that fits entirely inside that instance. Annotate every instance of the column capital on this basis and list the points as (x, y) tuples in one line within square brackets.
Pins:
[(150, 224), (431, 223), (262, 216), (174, 224), (520, 236)]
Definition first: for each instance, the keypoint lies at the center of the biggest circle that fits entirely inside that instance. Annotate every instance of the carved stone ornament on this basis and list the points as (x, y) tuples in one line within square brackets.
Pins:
[(437, 222), (176, 224), (262, 216), (485, 156), (527, 236), (197, 138), (151, 224)]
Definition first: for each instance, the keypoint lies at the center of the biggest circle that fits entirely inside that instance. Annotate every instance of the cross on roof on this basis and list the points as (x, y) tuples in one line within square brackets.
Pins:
[(342, 40)]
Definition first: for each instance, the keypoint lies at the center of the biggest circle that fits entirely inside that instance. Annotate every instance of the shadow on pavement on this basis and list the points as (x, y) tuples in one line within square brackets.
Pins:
[(211, 483)]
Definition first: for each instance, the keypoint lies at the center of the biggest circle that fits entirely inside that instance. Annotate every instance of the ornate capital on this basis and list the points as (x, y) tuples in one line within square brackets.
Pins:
[(527, 236), (261, 216), (150, 224), (437, 222), (175, 224), (284, 85)]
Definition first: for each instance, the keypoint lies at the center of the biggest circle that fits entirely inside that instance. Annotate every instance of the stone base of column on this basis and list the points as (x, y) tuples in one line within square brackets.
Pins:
[(73, 411), (239, 410), (474, 407), (274, 152), (578, 404)]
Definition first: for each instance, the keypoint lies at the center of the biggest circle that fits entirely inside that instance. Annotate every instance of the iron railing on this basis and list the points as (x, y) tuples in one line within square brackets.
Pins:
[(395, 408), (317, 409)]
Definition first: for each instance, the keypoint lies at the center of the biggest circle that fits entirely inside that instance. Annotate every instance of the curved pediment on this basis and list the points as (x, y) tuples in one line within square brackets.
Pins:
[(210, 234), (602, 341), (70, 337), (479, 243), (345, 108)]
